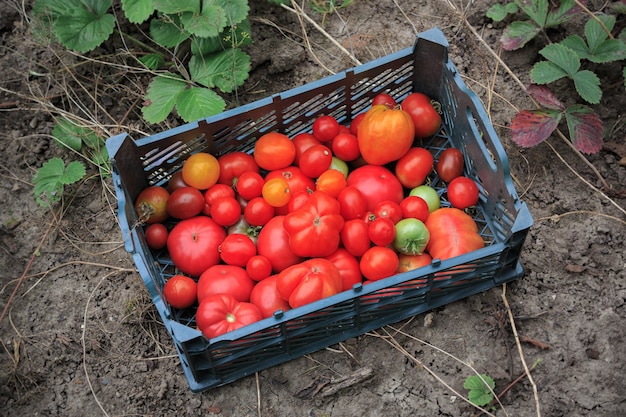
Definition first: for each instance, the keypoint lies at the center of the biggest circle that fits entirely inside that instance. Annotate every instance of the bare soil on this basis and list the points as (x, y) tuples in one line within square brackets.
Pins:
[(81, 337)]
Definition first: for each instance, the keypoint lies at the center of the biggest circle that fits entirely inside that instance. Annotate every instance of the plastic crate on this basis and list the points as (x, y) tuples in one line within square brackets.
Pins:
[(503, 219)]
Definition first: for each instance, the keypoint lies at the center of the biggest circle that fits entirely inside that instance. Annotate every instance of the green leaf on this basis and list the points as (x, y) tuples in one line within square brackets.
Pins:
[(237, 36), (531, 127), (537, 10), (152, 61), (51, 178), (161, 97), (517, 34), (585, 128), (168, 31), (545, 72), (210, 23), (137, 11), (608, 51), (225, 70), (578, 45), (587, 85), (87, 27), (480, 390), (177, 6), (74, 136), (236, 10), (562, 56), (567, 9), (595, 33), (197, 103), (497, 13)]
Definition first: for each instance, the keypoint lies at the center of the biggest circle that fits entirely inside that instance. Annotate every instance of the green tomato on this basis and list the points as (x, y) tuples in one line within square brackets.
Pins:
[(411, 236), (340, 166), (429, 195)]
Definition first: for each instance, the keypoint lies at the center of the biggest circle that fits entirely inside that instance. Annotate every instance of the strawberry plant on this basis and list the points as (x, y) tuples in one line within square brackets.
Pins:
[(480, 389)]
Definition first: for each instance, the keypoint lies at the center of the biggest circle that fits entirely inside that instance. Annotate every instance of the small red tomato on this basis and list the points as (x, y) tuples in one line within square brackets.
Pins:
[(450, 164), (156, 236), (176, 181), (151, 204), (258, 211), (384, 98), (345, 146), (180, 291), (233, 164), (413, 168), (325, 128), (249, 185), (415, 207), (388, 209), (426, 119), (303, 141), (259, 267), (462, 193), (266, 297), (213, 193), (381, 231), (354, 237), (315, 160), (236, 249), (379, 262), (356, 121), (226, 211), (185, 202), (352, 203)]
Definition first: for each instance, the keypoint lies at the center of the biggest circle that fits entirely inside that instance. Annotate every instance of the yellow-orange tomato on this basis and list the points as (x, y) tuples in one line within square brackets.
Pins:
[(274, 151), (331, 182), (201, 171), (411, 262), (385, 135), (276, 192)]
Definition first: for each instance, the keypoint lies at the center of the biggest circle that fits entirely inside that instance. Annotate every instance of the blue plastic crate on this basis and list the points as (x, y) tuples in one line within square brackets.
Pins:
[(502, 218)]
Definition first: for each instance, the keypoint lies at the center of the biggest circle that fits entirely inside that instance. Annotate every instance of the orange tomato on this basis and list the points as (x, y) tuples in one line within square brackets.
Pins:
[(331, 182), (274, 151), (201, 171), (276, 192), (385, 135)]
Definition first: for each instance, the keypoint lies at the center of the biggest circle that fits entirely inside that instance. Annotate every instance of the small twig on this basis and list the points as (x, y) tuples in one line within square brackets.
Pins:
[(558, 216), (594, 17), (521, 352), (258, 395)]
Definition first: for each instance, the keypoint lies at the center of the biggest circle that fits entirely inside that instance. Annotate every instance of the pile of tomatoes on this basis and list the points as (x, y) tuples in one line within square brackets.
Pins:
[(304, 218)]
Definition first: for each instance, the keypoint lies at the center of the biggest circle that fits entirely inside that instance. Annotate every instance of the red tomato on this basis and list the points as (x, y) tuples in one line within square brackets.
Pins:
[(180, 291), (221, 313), (385, 135), (176, 181), (355, 237), (215, 192), (381, 231), (259, 267), (298, 200), (249, 185), (379, 262), (348, 266), (266, 297), (462, 193), (429, 195), (315, 160), (225, 279), (413, 168), (273, 243), (325, 128), (185, 202), (345, 146), (450, 164), (297, 182), (425, 118), (352, 202), (388, 209), (156, 236), (377, 184), (411, 262), (233, 164), (356, 121), (274, 151), (309, 281), (302, 142), (414, 207), (151, 205), (452, 233), (236, 249), (258, 211), (384, 98), (193, 243), (314, 228), (226, 211)]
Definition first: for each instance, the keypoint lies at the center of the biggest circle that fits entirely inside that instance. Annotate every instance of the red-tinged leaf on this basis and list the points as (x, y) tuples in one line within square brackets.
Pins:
[(531, 127), (517, 34), (585, 129), (545, 97)]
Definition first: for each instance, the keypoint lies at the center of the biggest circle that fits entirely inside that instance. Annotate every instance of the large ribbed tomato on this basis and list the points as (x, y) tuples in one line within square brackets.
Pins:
[(452, 233), (309, 281), (385, 134)]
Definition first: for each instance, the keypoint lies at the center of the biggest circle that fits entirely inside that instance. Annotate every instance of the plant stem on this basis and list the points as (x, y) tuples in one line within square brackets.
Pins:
[(593, 16)]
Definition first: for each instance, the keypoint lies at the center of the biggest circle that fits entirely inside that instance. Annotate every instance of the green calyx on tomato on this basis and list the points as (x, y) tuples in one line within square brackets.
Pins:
[(412, 236)]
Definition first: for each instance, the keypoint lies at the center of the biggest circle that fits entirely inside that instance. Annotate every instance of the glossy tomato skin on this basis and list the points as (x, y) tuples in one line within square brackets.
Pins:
[(193, 243), (302, 142), (267, 298), (236, 249), (385, 135), (180, 291), (225, 279), (226, 211), (384, 98), (429, 195), (156, 236), (331, 181), (415, 207), (258, 211), (273, 243), (274, 151), (379, 262), (411, 262), (381, 231), (325, 128), (221, 313), (259, 267), (176, 181), (352, 202), (201, 170), (185, 202), (426, 119), (151, 204), (355, 237), (377, 184), (452, 233), (249, 185), (233, 164), (215, 192), (388, 209), (356, 121), (296, 180), (309, 281), (413, 168), (462, 192), (450, 164), (348, 266), (315, 160), (412, 236), (345, 146)]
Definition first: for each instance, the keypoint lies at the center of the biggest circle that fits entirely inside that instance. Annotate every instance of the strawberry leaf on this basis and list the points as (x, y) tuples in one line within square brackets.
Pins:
[(197, 103), (86, 27), (517, 34), (585, 128), (562, 56), (587, 85), (545, 97), (225, 70), (531, 127), (161, 97), (137, 11)]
